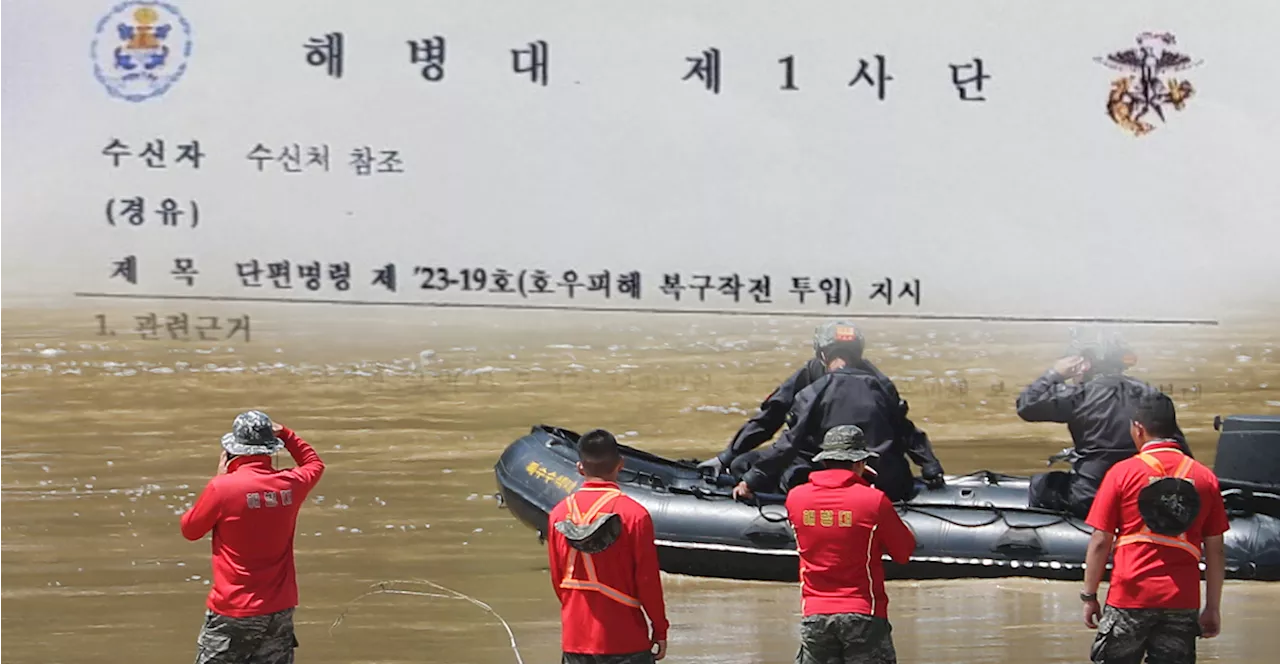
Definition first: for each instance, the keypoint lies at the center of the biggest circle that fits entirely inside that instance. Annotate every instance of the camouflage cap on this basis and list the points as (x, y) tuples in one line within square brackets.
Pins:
[(845, 443), (837, 333), (251, 433)]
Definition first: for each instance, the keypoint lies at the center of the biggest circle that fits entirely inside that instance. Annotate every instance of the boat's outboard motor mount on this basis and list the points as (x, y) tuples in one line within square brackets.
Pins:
[(1248, 462)]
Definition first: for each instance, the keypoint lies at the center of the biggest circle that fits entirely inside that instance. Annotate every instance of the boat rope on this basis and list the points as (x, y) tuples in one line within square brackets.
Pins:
[(384, 588), (998, 515)]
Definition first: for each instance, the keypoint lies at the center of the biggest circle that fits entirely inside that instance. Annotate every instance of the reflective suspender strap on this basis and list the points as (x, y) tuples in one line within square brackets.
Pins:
[(1145, 535), (592, 582)]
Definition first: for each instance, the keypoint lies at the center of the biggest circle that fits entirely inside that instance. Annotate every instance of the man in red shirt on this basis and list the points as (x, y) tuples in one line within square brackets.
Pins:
[(252, 510), (842, 525), (1159, 511), (604, 566)]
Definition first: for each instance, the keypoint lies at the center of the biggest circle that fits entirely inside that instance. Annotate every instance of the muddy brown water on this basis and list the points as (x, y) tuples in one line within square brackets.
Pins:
[(107, 440)]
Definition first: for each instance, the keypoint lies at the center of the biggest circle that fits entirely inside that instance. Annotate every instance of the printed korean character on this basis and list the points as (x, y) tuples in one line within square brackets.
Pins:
[(836, 290), (701, 283), (731, 286), (280, 274), (362, 160), (318, 155), (326, 51), (207, 329), (671, 285), (883, 289), (290, 158), (250, 274), (147, 326), (184, 269), (541, 282), (153, 153), (340, 275), (600, 282), (179, 327), (570, 281), (706, 68), (629, 284), (876, 76), (385, 276), (190, 152), (802, 287), (969, 87), (133, 210), (239, 326), (538, 54), (117, 150), (126, 268), (911, 289), (170, 213), (261, 154), (501, 280), (390, 162), (309, 273), (430, 54), (761, 290)]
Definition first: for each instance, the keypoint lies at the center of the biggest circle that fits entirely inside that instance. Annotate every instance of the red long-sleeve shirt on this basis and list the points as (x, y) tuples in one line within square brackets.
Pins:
[(591, 622), (842, 524), (252, 511)]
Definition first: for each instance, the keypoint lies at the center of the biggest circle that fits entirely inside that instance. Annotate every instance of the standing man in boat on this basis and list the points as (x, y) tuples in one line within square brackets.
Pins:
[(604, 566), (1159, 511), (845, 395), (1097, 410), (252, 510), (739, 456), (842, 525)]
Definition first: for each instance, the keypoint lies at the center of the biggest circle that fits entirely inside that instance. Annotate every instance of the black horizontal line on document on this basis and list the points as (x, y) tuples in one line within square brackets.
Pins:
[(985, 318)]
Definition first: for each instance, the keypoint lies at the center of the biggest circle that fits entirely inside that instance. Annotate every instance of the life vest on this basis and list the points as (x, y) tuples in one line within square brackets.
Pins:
[(1169, 505), (589, 533)]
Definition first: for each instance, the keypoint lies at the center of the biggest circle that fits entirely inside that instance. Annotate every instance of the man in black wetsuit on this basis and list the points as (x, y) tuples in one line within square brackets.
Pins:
[(739, 456), (1097, 409), (846, 394)]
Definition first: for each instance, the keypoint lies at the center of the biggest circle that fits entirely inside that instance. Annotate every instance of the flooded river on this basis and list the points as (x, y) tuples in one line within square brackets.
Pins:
[(107, 440)]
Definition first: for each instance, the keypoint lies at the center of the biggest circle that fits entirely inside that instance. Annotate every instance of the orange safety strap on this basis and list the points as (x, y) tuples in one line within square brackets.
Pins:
[(592, 582), (1145, 535)]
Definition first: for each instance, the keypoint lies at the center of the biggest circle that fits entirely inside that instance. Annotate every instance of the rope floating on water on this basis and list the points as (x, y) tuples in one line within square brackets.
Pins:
[(384, 588)]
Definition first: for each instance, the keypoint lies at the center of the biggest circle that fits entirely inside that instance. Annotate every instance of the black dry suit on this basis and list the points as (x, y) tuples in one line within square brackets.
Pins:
[(1098, 413), (775, 408), (846, 396)]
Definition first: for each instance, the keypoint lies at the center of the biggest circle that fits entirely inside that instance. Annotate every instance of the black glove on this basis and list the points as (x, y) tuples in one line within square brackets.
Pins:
[(932, 476), (713, 467)]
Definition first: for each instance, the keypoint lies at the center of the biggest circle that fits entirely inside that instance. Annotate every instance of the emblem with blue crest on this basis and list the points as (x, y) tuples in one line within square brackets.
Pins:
[(140, 49)]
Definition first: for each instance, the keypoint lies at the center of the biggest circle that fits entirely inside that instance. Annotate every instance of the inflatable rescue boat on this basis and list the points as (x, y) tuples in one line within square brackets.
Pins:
[(979, 525)]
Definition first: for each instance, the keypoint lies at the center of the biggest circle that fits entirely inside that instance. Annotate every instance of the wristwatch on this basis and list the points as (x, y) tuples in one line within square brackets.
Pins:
[(1088, 597)]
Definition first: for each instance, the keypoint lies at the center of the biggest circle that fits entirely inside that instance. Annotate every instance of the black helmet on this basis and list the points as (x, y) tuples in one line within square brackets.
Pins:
[(1109, 352), (840, 337)]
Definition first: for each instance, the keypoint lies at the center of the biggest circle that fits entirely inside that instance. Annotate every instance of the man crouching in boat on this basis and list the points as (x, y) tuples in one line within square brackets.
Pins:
[(845, 395), (604, 566), (842, 524), (739, 456), (1097, 410)]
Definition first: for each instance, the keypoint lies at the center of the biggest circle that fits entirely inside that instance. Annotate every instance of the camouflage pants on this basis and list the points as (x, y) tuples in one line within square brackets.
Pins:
[(1166, 636), (846, 638), (265, 639), (645, 657)]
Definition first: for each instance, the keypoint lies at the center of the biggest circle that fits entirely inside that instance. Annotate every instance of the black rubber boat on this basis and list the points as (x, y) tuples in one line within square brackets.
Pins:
[(978, 526)]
